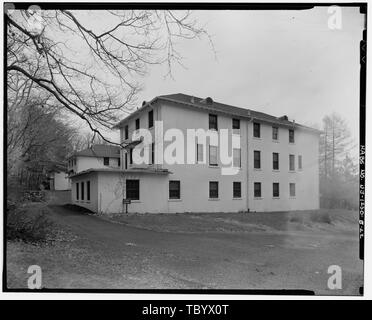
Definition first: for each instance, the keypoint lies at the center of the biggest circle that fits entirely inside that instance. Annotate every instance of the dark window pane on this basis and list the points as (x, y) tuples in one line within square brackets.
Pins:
[(275, 133), (137, 124), (237, 189), (151, 119), (213, 189), (257, 159), (236, 124), (257, 189), (130, 156), (125, 161), (88, 190), (118, 162), (126, 133), (256, 130), (291, 136), (82, 191), (174, 189), (132, 187), (152, 153), (276, 161), (77, 190), (291, 162), (213, 122), (275, 189), (106, 161)]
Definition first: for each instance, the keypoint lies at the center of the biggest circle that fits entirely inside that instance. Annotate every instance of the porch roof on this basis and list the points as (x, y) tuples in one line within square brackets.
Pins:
[(120, 171)]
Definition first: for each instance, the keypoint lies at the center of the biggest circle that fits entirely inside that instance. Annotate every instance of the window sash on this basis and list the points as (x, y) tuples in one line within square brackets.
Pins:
[(199, 152), (106, 161), (291, 135), (300, 162), (237, 158), (236, 124), (82, 190), (291, 162), (137, 124), (292, 189), (174, 189), (256, 130), (132, 189), (237, 190), (275, 161), (213, 189), (213, 155), (151, 118), (77, 190), (257, 159), (213, 122), (257, 189), (275, 133), (126, 132), (275, 189)]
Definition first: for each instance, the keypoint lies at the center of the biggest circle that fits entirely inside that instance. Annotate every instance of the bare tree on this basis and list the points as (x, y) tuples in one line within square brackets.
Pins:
[(90, 62)]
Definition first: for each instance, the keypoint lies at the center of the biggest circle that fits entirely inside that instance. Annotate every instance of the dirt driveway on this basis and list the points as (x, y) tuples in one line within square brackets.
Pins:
[(113, 255)]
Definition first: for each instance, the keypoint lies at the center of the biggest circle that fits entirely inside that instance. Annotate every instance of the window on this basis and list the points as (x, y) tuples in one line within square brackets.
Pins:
[(275, 133), (199, 152), (118, 162), (213, 151), (291, 136), (125, 161), (257, 189), (88, 190), (152, 153), (213, 189), (275, 189), (106, 161), (237, 158), (126, 133), (151, 118), (77, 190), (237, 189), (130, 156), (299, 162), (292, 189), (236, 126), (213, 122), (275, 161), (291, 162), (82, 190), (132, 187), (257, 159), (174, 189), (256, 130), (137, 124)]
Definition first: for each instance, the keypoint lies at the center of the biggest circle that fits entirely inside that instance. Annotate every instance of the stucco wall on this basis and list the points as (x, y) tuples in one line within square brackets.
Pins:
[(61, 182), (84, 163), (93, 203)]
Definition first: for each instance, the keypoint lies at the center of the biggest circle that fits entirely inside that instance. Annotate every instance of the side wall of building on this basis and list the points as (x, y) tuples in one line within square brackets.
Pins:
[(91, 204)]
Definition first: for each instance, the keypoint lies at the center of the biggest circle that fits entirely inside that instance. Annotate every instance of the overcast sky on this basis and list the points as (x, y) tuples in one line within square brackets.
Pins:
[(278, 62)]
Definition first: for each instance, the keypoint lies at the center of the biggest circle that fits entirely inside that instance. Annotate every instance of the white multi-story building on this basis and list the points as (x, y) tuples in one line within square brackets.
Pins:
[(277, 162)]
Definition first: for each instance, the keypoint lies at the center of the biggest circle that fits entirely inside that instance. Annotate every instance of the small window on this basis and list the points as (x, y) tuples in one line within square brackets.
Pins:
[(213, 152), (275, 189), (213, 189), (77, 190), (118, 162), (257, 159), (237, 189), (151, 118), (236, 124), (299, 162), (213, 122), (292, 189), (82, 190), (291, 162), (132, 192), (199, 152), (174, 189), (130, 156), (275, 161), (106, 161), (256, 130), (237, 158), (125, 161), (275, 133), (88, 190), (137, 124), (291, 136), (126, 132), (152, 153), (257, 189)]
